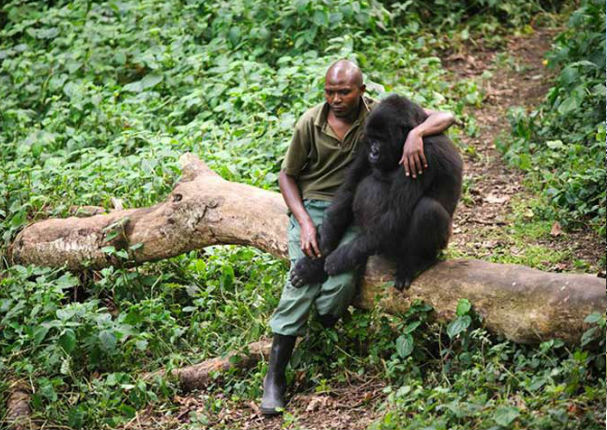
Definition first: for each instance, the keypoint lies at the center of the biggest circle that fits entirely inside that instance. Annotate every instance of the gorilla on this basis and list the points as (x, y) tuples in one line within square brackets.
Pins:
[(405, 219)]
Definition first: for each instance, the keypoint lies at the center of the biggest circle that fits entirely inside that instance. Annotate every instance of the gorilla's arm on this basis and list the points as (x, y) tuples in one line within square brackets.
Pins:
[(339, 215)]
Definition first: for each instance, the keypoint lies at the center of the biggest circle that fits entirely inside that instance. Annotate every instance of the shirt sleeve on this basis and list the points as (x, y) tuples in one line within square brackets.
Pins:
[(297, 153)]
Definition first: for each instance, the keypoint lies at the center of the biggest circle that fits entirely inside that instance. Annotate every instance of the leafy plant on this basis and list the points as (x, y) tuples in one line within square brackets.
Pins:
[(561, 144), (100, 99)]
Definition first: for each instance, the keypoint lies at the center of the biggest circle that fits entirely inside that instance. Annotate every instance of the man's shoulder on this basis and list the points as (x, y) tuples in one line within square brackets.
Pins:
[(310, 116)]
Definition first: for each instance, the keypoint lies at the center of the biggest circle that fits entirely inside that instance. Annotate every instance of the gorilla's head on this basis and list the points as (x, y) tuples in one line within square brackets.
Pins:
[(386, 129)]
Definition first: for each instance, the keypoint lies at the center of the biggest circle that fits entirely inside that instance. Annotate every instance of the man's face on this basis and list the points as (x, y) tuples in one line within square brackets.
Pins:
[(343, 96)]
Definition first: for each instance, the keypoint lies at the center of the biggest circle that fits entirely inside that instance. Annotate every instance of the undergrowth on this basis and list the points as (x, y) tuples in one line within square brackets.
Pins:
[(562, 142), (99, 100)]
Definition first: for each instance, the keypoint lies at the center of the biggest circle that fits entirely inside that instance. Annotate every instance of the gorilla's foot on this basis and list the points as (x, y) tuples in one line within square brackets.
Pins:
[(308, 271), (403, 283), (404, 277), (337, 262)]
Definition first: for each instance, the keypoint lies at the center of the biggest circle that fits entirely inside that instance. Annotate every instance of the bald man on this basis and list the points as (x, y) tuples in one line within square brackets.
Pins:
[(325, 140)]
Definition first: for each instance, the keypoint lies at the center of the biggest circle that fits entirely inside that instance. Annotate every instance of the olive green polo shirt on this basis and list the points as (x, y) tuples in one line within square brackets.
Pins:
[(316, 158)]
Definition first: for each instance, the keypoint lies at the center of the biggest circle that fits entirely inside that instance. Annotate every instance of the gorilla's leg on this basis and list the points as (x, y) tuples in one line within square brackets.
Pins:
[(428, 233)]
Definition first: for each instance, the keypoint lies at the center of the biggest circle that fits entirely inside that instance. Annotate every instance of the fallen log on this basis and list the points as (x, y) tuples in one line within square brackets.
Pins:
[(18, 407), (198, 376), (523, 304)]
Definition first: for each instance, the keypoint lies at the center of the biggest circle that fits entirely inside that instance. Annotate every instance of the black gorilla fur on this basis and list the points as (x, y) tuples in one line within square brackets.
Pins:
[(408, 220)]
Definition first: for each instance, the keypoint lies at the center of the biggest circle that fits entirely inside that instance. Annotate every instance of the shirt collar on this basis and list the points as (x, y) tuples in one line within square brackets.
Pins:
[(321, 117)]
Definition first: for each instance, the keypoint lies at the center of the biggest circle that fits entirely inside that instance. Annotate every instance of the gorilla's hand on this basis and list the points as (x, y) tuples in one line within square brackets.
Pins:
[(339, 261), (308, 271)]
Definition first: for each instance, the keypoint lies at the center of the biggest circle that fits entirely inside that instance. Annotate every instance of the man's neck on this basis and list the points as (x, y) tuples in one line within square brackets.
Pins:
[(346, 120)]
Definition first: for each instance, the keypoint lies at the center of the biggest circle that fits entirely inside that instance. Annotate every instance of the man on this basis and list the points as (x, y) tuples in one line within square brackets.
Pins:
[(325, 139)]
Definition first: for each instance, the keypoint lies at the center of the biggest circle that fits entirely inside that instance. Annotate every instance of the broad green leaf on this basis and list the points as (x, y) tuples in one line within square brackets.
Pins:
[(463, 307), (504, 416), (68, 340), (525, 161), (458, 325), (141, 345), (569, 104), (40, 333), (150, 81), (108, 250), (107, 339), (555, 144), (66, 281), (404, 345), (593, 318), (65, 313), (411, 327), (47, 390)]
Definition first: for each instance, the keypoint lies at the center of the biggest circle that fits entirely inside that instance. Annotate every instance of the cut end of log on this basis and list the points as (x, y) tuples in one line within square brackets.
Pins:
[(192, 167)]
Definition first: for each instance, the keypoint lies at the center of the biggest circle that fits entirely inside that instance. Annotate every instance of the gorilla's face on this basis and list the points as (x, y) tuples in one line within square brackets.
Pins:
[(384, 148), (386, 129)]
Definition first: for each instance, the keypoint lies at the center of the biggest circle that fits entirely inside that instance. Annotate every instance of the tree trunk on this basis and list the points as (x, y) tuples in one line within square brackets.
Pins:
[(523, 304)]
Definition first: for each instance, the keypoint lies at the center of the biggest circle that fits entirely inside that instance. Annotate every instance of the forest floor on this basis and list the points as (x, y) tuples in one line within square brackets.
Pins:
[(494, 195)]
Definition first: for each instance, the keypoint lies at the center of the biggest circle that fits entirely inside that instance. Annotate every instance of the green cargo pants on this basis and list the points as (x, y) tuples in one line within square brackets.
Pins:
[(331, 297)]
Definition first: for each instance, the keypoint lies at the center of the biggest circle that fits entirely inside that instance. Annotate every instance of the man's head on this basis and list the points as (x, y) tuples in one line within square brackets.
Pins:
[(343, 89)]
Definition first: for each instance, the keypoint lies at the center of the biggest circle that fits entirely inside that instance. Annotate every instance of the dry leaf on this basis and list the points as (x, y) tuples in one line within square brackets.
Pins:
[(556, 229), (316, 402), (492, 198)]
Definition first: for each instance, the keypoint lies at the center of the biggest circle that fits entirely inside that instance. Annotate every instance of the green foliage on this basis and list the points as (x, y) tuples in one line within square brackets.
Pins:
[(105, 96), (473, 381), (146, 318), (562, 143), (488, 13), (99, 99)]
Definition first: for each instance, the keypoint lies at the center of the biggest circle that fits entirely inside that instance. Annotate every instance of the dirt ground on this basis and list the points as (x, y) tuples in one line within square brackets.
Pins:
[(518, 79), (523, 81)]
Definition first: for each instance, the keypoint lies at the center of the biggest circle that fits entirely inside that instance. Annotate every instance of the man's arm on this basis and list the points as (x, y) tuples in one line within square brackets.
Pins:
[(290, 193), (413, 159)]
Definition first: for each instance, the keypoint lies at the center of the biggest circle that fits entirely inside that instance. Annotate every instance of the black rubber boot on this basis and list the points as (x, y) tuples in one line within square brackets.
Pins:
[(275, 382)]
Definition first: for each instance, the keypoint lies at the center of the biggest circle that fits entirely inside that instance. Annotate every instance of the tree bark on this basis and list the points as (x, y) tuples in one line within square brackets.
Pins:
[(523, 304), (17, 407)]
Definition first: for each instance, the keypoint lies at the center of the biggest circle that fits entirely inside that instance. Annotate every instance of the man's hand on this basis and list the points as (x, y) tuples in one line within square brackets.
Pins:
[(307, 238), (413, 159)]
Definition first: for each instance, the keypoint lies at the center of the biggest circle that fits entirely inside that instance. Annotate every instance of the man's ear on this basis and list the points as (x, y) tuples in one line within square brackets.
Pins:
[(362, 89)]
